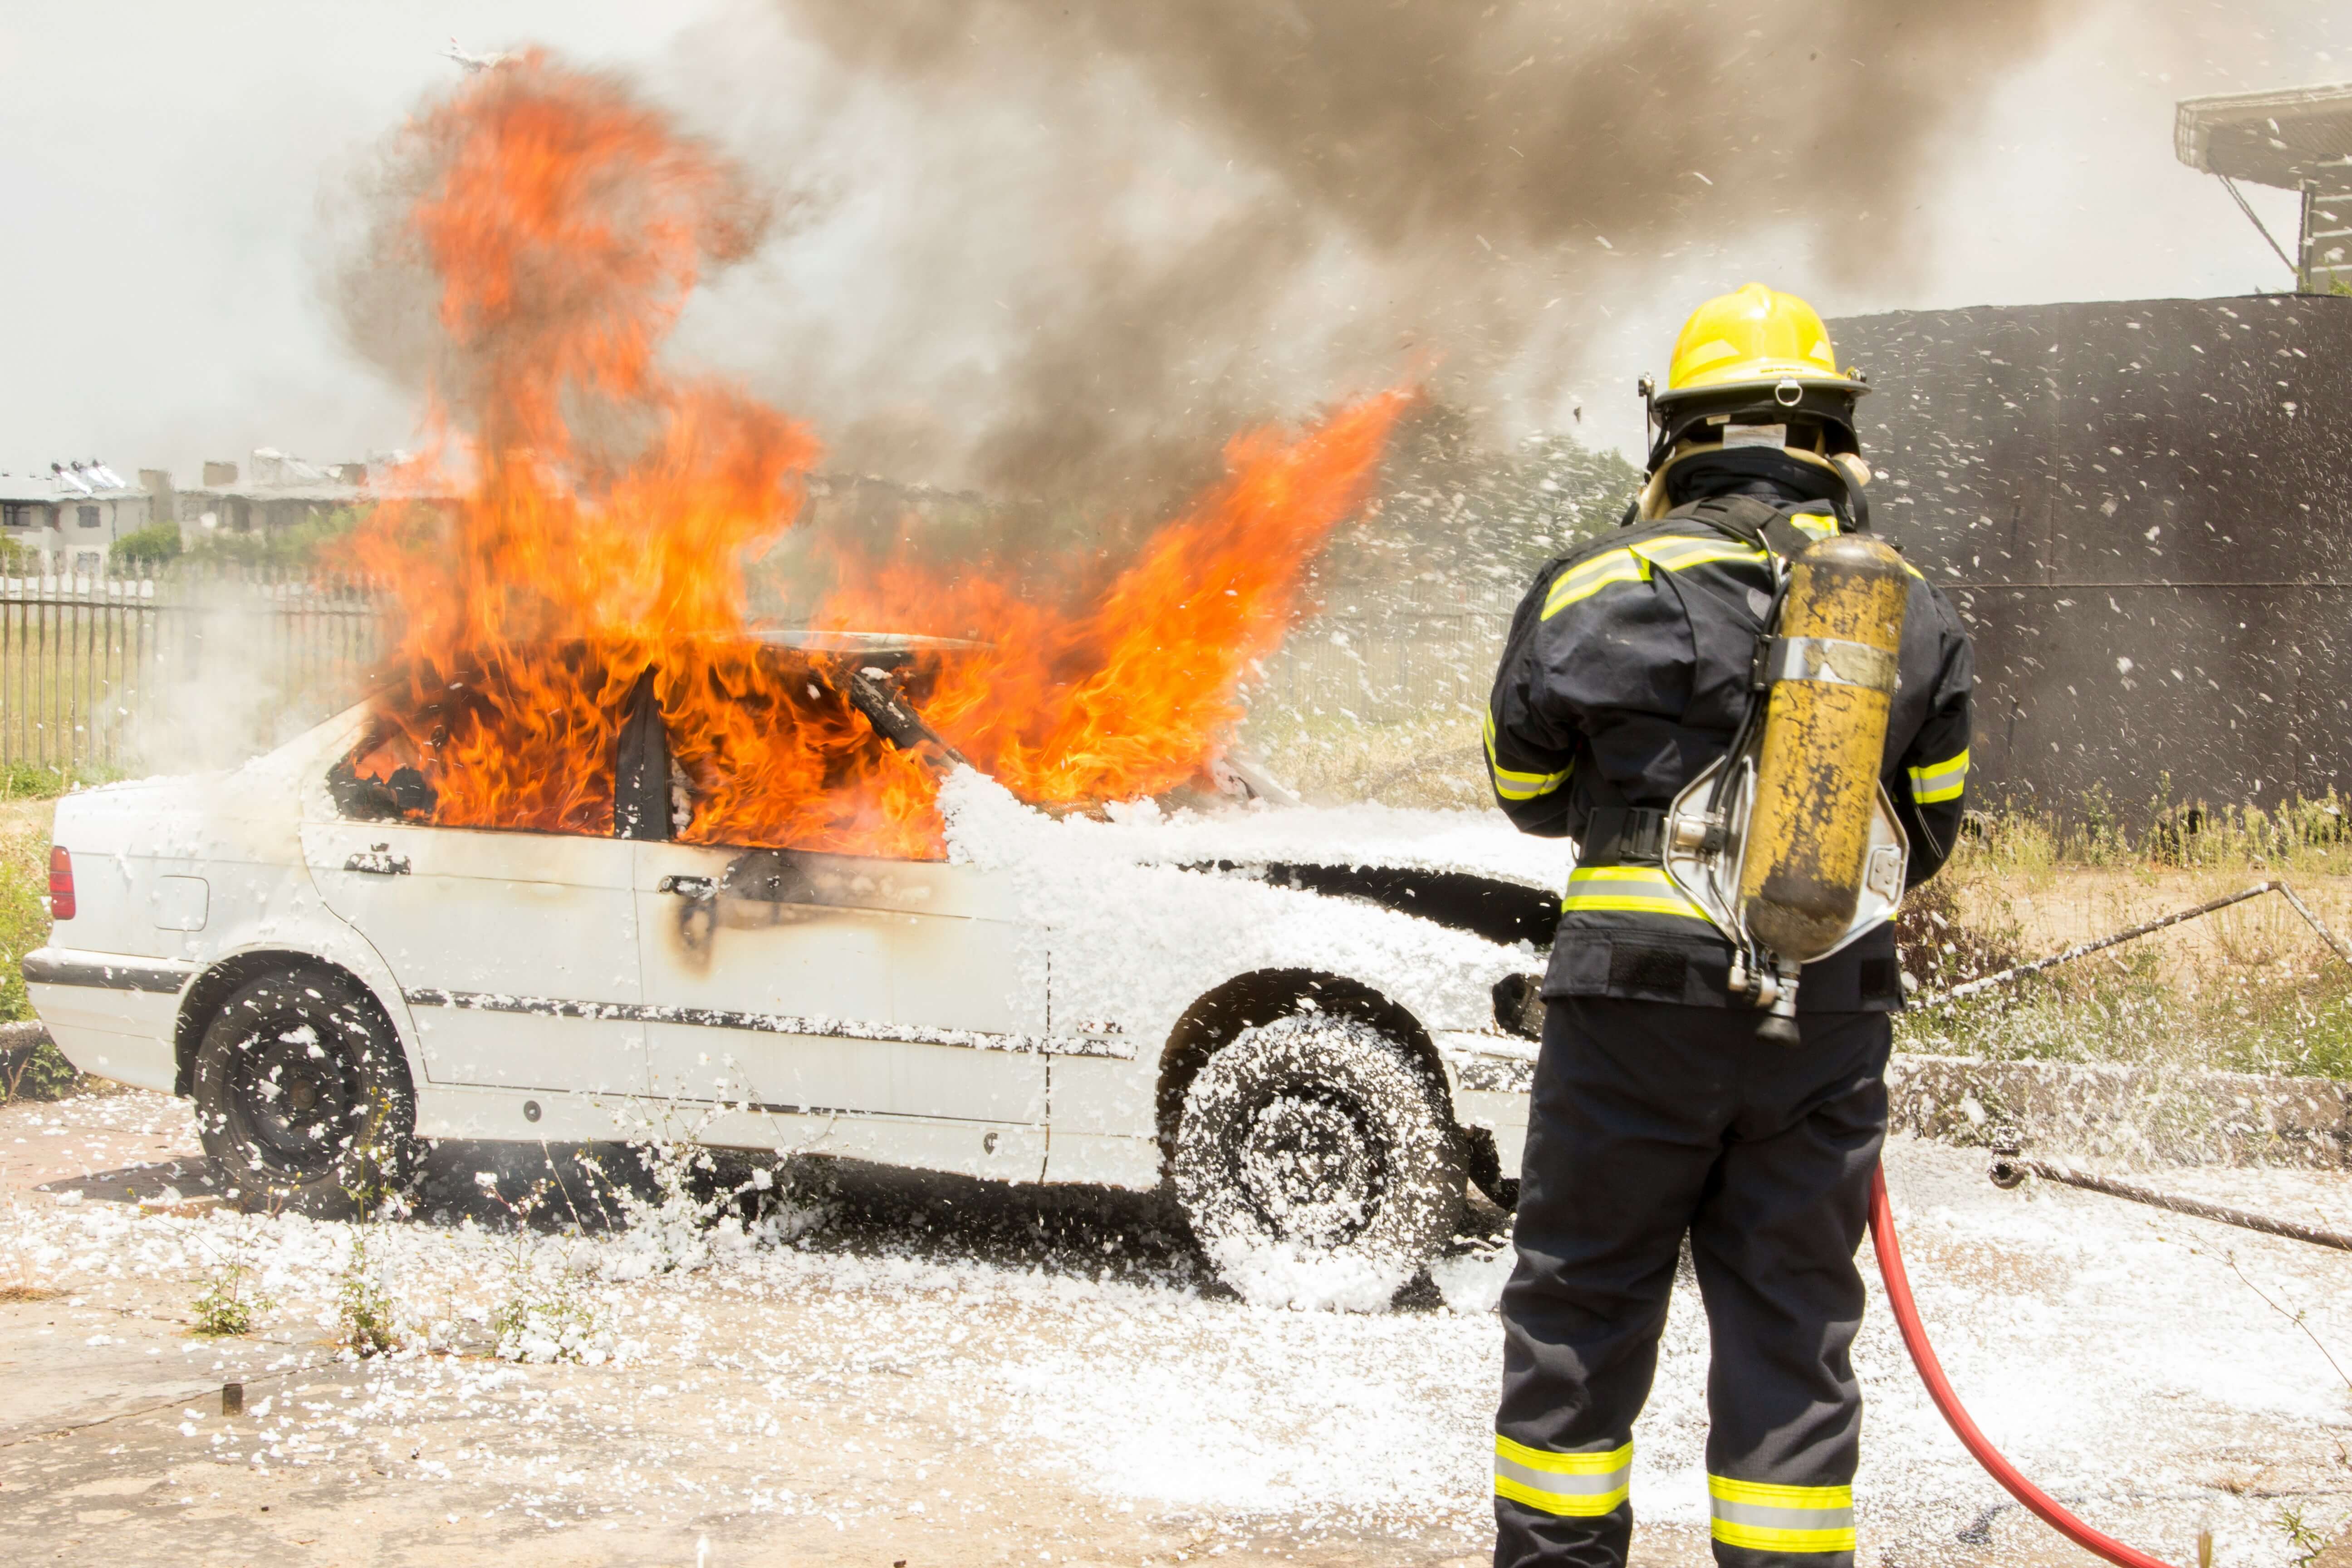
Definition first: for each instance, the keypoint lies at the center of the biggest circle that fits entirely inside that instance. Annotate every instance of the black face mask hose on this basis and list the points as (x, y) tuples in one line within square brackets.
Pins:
[(1939, 1389)]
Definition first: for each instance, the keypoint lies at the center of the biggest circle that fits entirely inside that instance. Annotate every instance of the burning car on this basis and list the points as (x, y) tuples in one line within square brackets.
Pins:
[(1309, 1024), (601, 858)]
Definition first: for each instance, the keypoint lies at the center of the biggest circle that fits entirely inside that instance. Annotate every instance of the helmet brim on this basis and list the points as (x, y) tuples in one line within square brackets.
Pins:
[(1753, 380)]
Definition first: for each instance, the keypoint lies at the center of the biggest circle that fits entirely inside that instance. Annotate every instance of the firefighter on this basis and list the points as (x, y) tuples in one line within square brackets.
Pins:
[(1658, 1112)]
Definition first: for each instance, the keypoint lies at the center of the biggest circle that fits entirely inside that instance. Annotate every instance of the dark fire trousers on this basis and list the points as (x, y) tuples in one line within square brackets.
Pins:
[(1650, 1120)]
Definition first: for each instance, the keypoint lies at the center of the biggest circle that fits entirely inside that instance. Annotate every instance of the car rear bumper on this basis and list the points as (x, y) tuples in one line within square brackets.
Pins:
[(112, 1016)]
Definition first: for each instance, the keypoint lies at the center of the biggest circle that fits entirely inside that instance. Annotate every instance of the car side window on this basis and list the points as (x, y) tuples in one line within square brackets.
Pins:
[(775, 751), (457, 757), (379, 781)]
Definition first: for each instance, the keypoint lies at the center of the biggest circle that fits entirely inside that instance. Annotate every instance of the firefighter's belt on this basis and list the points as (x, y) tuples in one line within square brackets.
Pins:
[(1623, 836)]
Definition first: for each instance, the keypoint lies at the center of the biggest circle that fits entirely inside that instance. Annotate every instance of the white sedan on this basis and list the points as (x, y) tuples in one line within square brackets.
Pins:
[(1313, 1024)]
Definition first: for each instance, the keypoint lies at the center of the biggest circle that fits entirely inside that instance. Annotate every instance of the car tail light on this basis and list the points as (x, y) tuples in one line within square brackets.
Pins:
[(61, 899)]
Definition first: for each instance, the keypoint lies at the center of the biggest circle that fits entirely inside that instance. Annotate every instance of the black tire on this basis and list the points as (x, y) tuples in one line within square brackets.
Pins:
[(302, 1097), (1318, 1132)]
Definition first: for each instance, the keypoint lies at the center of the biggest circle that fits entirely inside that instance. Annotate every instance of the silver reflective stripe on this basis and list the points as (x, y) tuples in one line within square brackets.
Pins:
[(1563, 1486), (1783, 1518), (1831, 659)]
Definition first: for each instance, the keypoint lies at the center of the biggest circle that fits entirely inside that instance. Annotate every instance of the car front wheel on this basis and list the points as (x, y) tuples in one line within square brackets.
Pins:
[(1316, 1139), (303, 1099)]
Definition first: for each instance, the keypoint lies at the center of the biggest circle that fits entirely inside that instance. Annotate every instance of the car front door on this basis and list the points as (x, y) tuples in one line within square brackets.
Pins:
[(516, 952), (875, 1007)]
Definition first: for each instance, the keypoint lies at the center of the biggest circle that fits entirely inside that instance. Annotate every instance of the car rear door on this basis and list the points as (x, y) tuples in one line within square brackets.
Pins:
[(812, 985), (517, 951)]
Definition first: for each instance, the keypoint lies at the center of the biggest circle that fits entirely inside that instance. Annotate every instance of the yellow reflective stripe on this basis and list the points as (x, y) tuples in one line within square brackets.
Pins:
[(1675, 555), (1763, 1538), (1813, 525), (1626, 890), (1632, 565), (1511, 785), (1588, 577), (1763, 1517), (1572, 1485), (1940, 781)]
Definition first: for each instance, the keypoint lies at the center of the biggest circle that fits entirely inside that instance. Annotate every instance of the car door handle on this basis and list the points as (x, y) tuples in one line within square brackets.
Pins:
[(688, 887), (378, 860)]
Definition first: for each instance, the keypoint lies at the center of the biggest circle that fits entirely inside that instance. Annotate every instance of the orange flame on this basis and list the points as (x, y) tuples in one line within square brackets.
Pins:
[(566, 226)]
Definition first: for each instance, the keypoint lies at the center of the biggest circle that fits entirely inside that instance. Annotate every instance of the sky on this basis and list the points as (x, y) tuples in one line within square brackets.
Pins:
[(172, 173)]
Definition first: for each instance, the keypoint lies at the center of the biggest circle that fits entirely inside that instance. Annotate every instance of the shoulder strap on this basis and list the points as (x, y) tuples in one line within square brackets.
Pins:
[(1752, 520)]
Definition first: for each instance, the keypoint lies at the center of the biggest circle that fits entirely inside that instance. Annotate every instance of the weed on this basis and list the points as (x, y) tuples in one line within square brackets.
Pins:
[(2303, 1541), (545, 1315), (363, 1303), (20, 1280), (2296, 1317), (229, 1301)]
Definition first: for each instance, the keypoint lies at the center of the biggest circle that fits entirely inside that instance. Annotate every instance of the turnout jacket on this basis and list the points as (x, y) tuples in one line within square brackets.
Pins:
[(1625, 675)]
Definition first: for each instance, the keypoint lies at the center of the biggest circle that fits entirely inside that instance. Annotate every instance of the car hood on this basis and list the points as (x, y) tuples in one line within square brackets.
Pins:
[(1357, 836)]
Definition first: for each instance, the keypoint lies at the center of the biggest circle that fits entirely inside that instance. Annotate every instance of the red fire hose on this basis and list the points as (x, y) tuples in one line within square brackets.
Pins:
[(1939, 1389)]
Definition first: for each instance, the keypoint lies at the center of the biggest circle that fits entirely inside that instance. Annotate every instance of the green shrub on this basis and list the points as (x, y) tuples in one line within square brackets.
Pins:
[(41, 1073), (301, 545), (150, 547), (31, 781), (24, 913)]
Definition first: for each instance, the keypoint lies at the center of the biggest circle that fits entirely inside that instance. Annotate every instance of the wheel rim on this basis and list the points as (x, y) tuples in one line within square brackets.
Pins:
[(291, 1107), (1311, 1168)]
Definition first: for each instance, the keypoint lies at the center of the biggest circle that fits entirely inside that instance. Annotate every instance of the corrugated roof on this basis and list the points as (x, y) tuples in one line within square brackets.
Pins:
[(48, 489), (2280, 138)]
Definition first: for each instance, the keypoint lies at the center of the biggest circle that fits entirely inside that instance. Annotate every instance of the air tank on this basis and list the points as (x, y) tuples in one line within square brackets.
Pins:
[(1832, 674)]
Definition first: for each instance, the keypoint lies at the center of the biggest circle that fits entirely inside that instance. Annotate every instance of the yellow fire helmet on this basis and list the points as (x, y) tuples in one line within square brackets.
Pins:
[(1761, 358), (1753, 339)]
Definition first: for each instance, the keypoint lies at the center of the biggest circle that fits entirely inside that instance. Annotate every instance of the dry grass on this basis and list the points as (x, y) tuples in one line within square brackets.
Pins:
[(2249, 989), (1435, 761)]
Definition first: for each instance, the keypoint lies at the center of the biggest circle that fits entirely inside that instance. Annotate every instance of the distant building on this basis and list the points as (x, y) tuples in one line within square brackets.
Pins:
[(274, 492), (69, 517)]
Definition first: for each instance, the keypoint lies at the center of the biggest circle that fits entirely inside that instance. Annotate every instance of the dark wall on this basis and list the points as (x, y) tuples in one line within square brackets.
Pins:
[(2145, 511)]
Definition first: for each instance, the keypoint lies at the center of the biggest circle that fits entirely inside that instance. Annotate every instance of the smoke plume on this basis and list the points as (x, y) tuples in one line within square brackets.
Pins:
[(1106, 231), (1059, 252)]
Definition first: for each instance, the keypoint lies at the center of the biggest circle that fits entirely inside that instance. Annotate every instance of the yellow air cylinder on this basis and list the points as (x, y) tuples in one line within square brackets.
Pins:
[(1832, 677)]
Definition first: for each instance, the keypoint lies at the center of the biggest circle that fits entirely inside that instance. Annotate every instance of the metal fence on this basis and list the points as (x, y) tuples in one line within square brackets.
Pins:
[(107, 673), (202, 668)]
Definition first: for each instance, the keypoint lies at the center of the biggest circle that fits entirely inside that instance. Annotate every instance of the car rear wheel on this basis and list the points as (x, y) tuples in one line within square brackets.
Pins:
[(303, 1099), (1317, 1136)]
